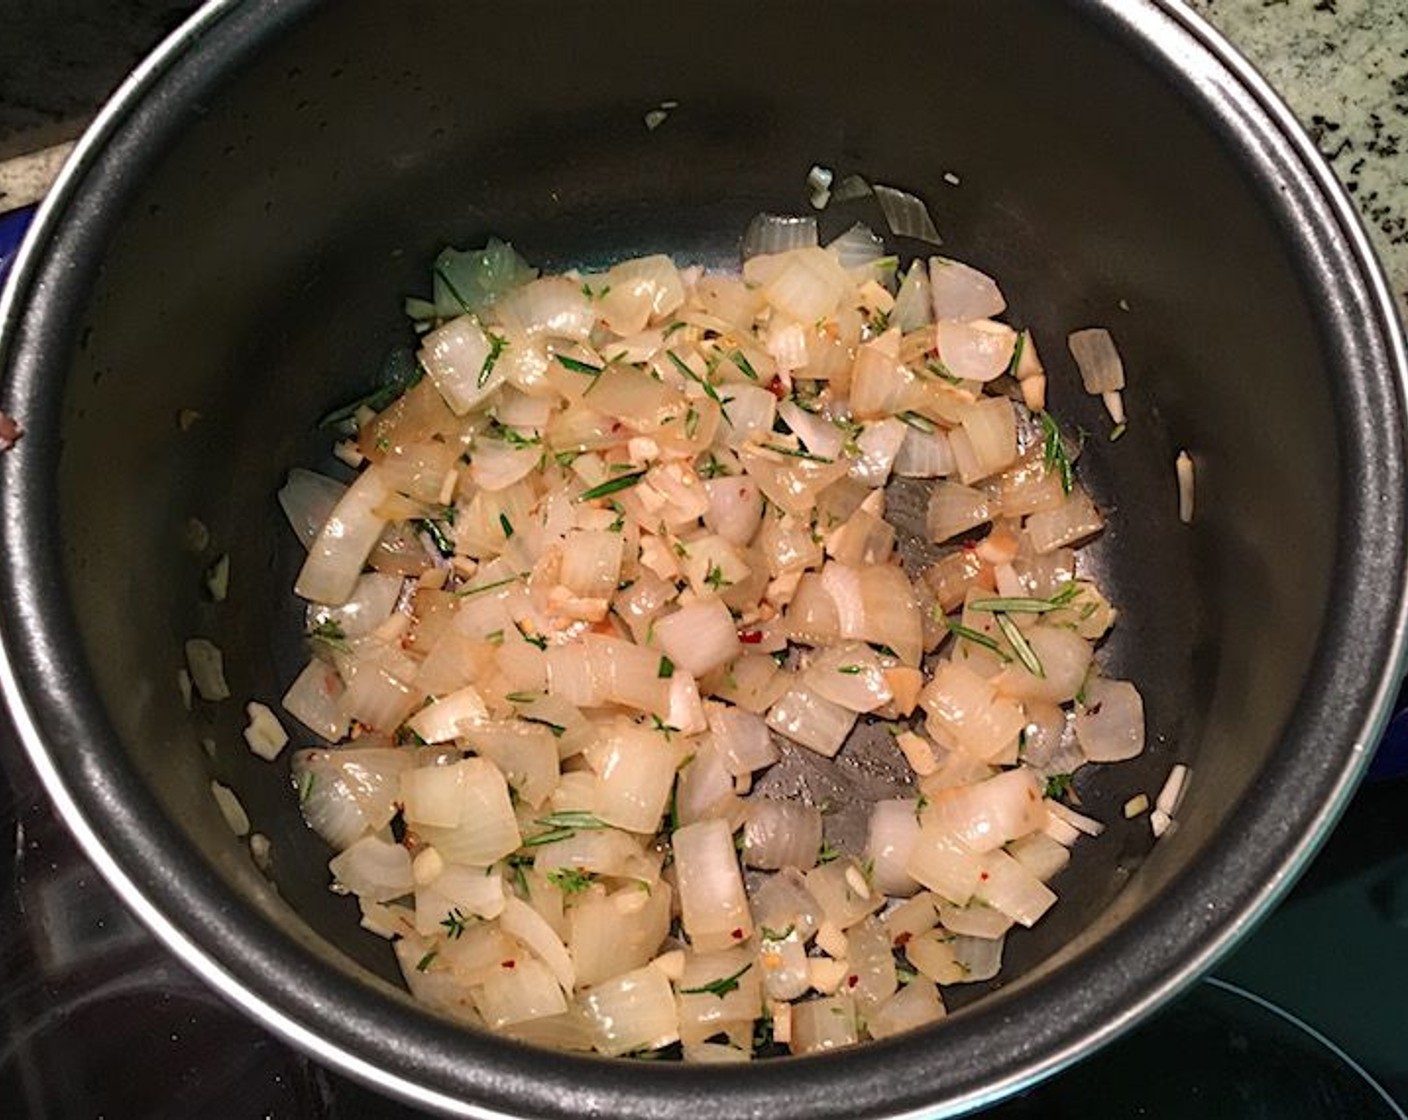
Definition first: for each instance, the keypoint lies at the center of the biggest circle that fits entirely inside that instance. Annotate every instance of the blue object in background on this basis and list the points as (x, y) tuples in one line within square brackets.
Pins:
[(12, 227)]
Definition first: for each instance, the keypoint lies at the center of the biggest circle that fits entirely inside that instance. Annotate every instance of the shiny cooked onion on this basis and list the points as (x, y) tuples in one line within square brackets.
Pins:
[(623, 547)]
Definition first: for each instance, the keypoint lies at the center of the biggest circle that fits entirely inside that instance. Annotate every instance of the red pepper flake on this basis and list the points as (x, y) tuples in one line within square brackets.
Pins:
[(737, 935), (776, 388), (509, 964), (852, 980), (982, 876), (904, 938), (750, 637)]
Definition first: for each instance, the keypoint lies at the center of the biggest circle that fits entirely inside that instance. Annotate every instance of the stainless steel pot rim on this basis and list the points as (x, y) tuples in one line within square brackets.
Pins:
[(1163, 27)]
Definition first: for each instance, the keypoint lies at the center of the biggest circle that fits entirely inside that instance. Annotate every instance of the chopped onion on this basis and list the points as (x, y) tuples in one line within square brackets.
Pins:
[(1101, 370), (314, 699), (980, 957), (741, 738), (924, 455), (1109, 724), (1173, 788), (894, 828), (976, 351), (914, 307), (916, 1004), (955, 508), (906, 215), (701, 637), (633, 1011), (374, 868), (336, 557), (961, 292), (780, 834), (988, 814), (713, 905), (777, 233), (308, 499), (857, 246), (811, 720)]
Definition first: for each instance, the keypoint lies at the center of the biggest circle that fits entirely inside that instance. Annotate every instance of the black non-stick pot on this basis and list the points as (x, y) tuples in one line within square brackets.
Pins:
[(234, 237)]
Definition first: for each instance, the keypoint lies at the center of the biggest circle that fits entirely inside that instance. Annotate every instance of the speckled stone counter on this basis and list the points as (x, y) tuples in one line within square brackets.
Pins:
[(1342, 66)]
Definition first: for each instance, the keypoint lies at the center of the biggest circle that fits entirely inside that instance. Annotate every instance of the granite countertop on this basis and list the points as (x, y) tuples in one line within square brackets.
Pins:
[(1342, 65)]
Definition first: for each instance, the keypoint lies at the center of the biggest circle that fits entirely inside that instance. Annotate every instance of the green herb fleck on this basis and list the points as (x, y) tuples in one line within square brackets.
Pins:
[(826, 853), (666, 669), (506, 525), (1117, 431), (709, 391), (497, 345), (305, 786), (691, 422), (917, 422), (720, 987), (1024, 604), (611, 486), (570, 880), (678, 324), (665, 729), (330, 633), (424, 962), (1020, 646), (712, 468), (714, 577), (1054, 455), (740, 359), (492, 585), (532, 639), (778, 934), (576, 365), (565, 459), (1017, 349), (1057, 786), (941, 371), (796, 453), (522, 697), (977, 637), (905, 975), (572, 818), (455, 924)]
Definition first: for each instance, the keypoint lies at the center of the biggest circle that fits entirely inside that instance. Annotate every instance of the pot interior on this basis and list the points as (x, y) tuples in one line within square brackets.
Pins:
[(242, 248)]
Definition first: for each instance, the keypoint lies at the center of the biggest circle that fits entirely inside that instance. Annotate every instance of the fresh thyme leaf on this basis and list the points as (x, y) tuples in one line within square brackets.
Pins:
[(565, 459), (720, 987), (826, 853), (442, 543), (552, 836), (506, 525), (1057, 786), (330, 633), (1020, 646), (796, 453), (712, 468), (424, 962), (691, 422), (497, 345), (572, 818), (570, 880), (851, 670), (939, 370), (666, 669), (532, 639), (917, 422), (576, 365), (611, 486), (512, 436), (778, 934)]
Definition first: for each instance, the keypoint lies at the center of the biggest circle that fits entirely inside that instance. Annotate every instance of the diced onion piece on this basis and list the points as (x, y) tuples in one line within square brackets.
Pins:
[(988, 814), (375, 869), (713, 905), (635, 772), (735, 508), (465, 808), (965, 706), (870, 977), (916, 1004), (906, 214), (313, 700), (779, 834), (639, 291), (811, 720), (207, 666), (700, 637), (914, 306), (703, 1012), (457, 892), (1073, 520), (1101, 370), (777, 233), (373, 598), (551, 307), (523, 922), (336, 557), (348, 793), (808, 287), (460, 359), (948, 868), (448, 717), (976, 351), (981, 957), (991, 427), (1040, 854), (515, 995), (606, 940), (961, 292), (955, 508), (1004, 884), (924, 455), (633, 1011), (841, 889), (1064, 658), (308, 499), (894, 828), (824, 1024), (741, 738), (1110, 723)]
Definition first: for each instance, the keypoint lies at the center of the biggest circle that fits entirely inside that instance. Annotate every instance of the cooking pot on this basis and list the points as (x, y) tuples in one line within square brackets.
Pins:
[(233, 238)]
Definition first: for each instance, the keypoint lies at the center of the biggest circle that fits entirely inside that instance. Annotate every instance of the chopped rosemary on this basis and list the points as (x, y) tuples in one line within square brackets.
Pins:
[(492, 585), (740, 359), (497, 345), (1024, 604), (1017, 348), (611, 486), (1054, 455), (572, 818), (442, 543), (851, 670), (552, 836), (1057, 786), (917, 422), (709, 390), (528, 636), (677, 325), (796, 453), (666, 669), (522, 697), (714, 577), (576, 365), (691, 422), (506, 525), (330, 633), (454, 924), (570, 880), (977, 637), (1020, 646), (720, 987), (424, 962)]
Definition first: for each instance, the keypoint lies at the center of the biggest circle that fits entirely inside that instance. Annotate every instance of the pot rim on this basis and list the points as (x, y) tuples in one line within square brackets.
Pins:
[(1269, 140)]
